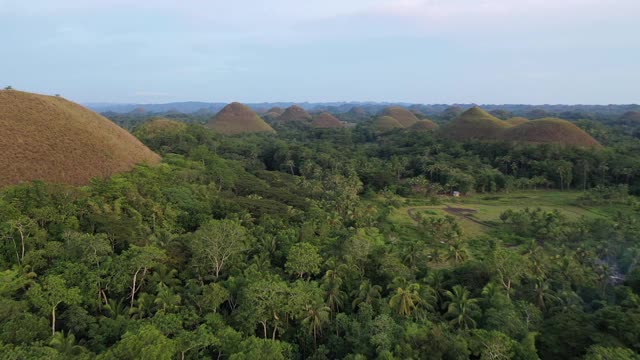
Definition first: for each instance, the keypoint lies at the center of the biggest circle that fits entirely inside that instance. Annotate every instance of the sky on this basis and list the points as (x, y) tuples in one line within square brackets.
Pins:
[(415, 51)]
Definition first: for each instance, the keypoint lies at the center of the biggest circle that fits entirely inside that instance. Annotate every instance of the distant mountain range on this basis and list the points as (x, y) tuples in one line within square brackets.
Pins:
[(569, 111)]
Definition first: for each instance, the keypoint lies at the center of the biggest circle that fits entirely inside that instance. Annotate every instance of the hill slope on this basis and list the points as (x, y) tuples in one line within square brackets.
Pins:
[(237, 118), (326, 120), (474, 123), (423, 125), (514, 121), (294, 113), (52, 139), (386, 123), (550, 130), (631, 117), (405, 117)]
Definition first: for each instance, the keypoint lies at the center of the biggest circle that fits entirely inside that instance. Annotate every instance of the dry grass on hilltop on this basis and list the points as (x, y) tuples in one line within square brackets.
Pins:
[(550, 131), (474, 123), (55, 140), (423, 125), (237, 118), (405, 117), (294, 113), (326, 120)]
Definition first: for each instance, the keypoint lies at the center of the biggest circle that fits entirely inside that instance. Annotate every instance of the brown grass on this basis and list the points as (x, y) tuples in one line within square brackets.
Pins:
[(52, 139), (276, 110), (326, 120), (550, 130), (237, 118), (515, 121), (386, 123), (405, 117), (631, 116), (423, 125), (294, 113)]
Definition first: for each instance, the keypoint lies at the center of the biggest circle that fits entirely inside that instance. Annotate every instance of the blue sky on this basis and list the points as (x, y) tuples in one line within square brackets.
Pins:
[(420, 51)]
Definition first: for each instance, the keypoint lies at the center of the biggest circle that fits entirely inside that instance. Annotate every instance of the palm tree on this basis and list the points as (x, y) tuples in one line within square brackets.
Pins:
[(66, 345), (315, 318), (143, 306), (115, 309), (457, 253), (461, 308), (167, 300), (435, 280), (366, 293), (164, 277), (335, 297), (405, 301), (544, 294)]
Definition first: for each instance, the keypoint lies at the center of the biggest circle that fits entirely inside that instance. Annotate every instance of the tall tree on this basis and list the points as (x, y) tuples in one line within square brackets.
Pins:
[(216, 243), (51, 294)]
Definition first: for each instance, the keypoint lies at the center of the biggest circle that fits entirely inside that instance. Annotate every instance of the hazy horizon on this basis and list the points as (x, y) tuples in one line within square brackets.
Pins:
[(412, 51)]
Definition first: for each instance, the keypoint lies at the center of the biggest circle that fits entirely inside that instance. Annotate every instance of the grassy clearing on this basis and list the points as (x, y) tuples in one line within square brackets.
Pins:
[(481, 210)]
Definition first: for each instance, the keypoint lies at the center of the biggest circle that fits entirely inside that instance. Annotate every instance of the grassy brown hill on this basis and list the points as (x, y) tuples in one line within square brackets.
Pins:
[(405, 117), (550, 130), (52, 139), (237, 118), (423, 125), (294, 113), (327, 121), (474, 123), (514, 121), (276, 110), (386, 123)]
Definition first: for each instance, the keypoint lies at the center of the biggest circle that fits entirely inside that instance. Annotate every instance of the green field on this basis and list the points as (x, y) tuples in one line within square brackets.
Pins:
[(476, 213)]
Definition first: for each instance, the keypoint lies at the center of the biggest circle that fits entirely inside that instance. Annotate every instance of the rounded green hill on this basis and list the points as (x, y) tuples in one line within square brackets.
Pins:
[(550, 131), (474, 123), (55, 140), (237, 118), (405, 117)]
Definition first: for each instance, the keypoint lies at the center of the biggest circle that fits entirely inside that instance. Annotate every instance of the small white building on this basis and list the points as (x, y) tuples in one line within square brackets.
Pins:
[(456, 194)]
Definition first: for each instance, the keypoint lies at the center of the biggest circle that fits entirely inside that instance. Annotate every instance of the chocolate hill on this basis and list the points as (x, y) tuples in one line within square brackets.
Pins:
[(474, 123), (294, 113), (550, 131), (326, 121), (276, 110), (237, 118), (55, 140), (514, 121), (386, 123), (405, 117), (631, 117), (423, 125)]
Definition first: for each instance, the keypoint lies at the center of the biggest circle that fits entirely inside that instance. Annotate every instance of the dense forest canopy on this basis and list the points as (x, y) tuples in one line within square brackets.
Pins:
[(330, 244)]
